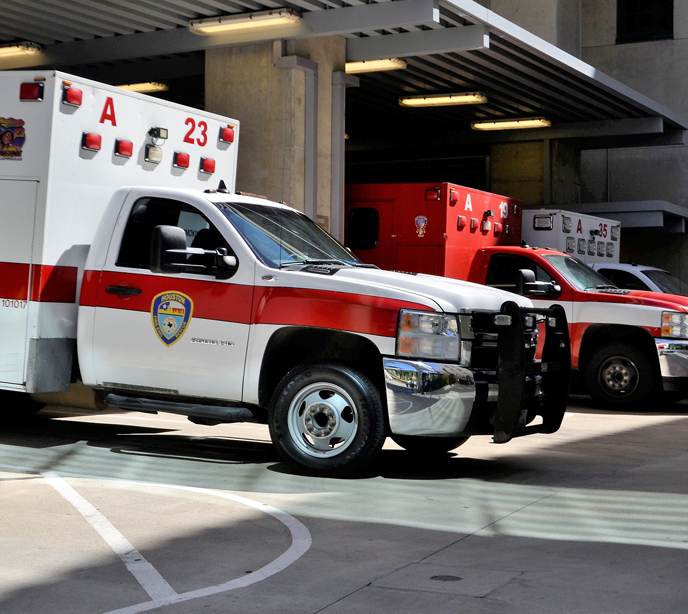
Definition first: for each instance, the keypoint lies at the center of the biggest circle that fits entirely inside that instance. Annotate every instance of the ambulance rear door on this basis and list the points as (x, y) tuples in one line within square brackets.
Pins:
[(17, 217)]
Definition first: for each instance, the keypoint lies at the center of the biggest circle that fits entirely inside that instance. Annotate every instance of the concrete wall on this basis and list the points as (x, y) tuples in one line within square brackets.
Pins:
[(556, 21), (270, 102), (516, 170)]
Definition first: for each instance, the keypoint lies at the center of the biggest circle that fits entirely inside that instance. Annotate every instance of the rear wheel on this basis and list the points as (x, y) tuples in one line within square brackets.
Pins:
[(619, 374), (428, 446), (327, 420)]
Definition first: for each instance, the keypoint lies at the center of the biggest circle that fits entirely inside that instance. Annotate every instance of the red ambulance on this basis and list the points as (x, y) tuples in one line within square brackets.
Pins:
[(627, 346)]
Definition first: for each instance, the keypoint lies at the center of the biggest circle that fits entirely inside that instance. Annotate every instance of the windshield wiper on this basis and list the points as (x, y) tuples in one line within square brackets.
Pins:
[(315, 261)]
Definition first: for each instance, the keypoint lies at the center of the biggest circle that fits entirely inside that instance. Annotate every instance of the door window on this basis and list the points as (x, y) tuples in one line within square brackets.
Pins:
[(148, 213), (503, 271)]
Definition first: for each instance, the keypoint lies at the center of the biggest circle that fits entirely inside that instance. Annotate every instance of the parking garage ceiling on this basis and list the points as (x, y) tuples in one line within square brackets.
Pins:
[(449, 46)]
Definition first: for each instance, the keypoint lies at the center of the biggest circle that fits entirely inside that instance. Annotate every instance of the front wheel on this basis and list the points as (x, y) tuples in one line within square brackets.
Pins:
[(619, 374), (327, 420)]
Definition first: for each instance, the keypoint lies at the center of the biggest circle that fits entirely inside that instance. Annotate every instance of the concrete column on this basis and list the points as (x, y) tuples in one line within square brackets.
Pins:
[(276, 141)]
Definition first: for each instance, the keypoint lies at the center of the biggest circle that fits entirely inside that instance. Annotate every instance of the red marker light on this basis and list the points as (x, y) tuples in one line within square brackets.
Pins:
[(181, 159), (31, 91), (124, 149), (72, 96), (518, 209), (497, 228), (207, 165), (461, 222), (91, 141), (432, 194), (227, 134), (453, 197)]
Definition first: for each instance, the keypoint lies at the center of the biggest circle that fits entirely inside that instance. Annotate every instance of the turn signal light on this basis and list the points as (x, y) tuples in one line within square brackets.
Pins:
[(181, 159), (207, 165), (227, 134), (91, 141), (124, 149), (31, 91), (72, 96)]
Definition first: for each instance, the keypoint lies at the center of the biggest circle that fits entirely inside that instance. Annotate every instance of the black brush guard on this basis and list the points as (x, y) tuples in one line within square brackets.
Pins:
[(529, 388)]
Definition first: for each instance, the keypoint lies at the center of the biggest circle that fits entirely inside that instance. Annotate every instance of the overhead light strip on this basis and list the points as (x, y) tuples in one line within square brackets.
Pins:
[(145, 88), (443, 100), (352, 68), (19, 49), (244, 21), (512, 124)]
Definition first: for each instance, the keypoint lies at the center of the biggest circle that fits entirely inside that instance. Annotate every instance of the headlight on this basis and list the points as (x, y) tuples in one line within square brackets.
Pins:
[(425, 334), (674, 324)]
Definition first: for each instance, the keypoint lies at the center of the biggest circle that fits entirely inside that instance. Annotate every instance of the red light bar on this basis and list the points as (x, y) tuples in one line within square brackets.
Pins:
[(91, 141), (72, 96), (432, 194), (227, 134), (31, 91), (207, 165), (124, 149), (181, 159)]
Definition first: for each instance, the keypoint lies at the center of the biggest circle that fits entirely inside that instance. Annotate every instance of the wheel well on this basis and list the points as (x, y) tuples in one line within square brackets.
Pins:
[(599, 335), (292, 347)]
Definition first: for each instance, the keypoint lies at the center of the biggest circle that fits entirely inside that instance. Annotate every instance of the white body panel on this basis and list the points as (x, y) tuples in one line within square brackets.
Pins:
[(586, 237), (46, 165)]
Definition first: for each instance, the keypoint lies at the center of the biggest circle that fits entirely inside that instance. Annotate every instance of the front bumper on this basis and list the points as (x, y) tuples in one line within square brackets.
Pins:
[(673, 363), (446, 400)]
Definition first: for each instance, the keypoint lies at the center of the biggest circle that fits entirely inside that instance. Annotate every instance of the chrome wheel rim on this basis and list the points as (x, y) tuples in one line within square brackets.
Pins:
[(323, 420)]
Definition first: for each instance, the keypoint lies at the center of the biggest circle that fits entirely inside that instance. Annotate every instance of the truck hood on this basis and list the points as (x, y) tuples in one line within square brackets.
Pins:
[(450, 295), (670, 302)]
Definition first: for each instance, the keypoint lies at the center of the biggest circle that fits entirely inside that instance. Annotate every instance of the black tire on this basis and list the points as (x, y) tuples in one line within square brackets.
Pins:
[(428, 446), (327, 420), (619, 374)]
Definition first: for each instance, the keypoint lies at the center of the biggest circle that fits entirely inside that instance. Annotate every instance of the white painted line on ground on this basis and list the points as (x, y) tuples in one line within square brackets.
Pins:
[(148, 577), (301, 542), (300, 536)]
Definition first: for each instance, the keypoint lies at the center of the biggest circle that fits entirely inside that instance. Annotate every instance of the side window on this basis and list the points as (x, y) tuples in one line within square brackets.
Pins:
[(151, 212), (363, 228), (644, 20), (624, 279), (503, 271)]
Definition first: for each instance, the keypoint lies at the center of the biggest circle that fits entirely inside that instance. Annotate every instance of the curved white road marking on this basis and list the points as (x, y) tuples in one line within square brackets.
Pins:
[(301, 542), (156, 586), (148, 577)]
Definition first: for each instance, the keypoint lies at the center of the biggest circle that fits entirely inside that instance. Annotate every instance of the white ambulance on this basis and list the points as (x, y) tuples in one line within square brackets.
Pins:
[(589, 238), (129, 262)]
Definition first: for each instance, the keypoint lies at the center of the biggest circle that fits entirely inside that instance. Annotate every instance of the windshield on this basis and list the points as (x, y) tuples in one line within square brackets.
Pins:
[(667, 282), (280, 237), (579, 274)]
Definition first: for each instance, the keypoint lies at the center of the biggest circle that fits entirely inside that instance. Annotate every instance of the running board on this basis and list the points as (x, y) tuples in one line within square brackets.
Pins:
[(200, 414)]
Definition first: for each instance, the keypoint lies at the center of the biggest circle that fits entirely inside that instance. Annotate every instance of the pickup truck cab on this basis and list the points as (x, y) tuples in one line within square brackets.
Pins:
[(226, 307)]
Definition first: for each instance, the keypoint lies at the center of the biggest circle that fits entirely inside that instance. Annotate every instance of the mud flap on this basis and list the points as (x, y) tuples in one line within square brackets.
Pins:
[(513, 404), (510, 374), (555, 386)]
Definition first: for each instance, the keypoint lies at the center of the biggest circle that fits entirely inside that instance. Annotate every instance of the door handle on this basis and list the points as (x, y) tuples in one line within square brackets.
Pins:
[(123, 290)]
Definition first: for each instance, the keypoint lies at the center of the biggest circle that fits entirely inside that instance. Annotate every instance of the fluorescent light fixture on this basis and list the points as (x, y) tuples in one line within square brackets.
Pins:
[(145, 88), (512, 124), (352, 68), (443, 100), (242, 21), (19, 49)]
